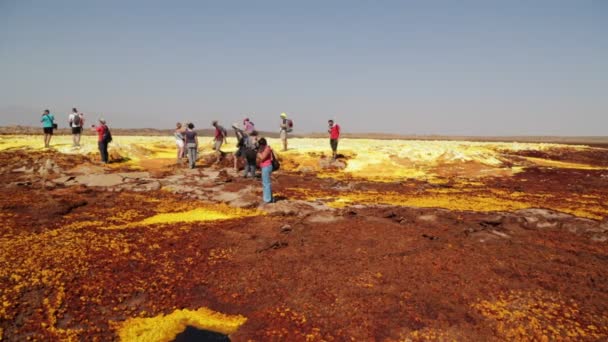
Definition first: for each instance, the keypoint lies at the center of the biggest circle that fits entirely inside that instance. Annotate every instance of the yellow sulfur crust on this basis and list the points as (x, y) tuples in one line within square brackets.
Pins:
[(167, 327)]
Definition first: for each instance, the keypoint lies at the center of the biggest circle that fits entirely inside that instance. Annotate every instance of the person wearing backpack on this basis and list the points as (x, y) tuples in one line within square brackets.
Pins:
[(191, 139), (219, 139), (76, 121), (286, 127), (104, 137), (266, 156), (334, 135), (240, 145), (48, 124)]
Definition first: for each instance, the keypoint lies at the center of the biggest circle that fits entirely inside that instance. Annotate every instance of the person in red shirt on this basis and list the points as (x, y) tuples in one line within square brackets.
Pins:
[(334, 136), (102, 141)]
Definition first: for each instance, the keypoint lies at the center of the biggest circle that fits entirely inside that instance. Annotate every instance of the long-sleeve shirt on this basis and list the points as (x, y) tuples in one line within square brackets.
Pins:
[(334, 131)]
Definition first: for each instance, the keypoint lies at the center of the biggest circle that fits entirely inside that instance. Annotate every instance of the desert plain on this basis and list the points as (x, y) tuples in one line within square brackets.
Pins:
[(397, 240)]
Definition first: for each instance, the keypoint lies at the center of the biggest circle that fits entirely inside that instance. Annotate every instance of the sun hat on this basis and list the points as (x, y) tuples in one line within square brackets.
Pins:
[(283, 115)]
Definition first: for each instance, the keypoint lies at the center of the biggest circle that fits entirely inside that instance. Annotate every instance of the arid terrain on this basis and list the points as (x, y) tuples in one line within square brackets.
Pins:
[(397, 240)]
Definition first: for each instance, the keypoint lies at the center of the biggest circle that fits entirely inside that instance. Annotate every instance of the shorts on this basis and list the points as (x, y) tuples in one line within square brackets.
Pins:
[(48, 130), (283, 135), (217, 145), (180, 143), (76, 130), (334, 144)]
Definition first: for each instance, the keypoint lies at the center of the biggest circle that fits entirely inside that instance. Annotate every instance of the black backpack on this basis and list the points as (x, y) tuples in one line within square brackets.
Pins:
[(76, 120), (276, 165), (107, 135)]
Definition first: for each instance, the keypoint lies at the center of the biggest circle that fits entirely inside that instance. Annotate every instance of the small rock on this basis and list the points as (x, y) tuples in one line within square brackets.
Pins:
[(547, 225), (286, 229), (23, 170), (430, 237), (274, 245), (501, 234), (493, 220), (531, 219), (427, 218), (390, 215), (351, 213), (66, 180), (307, 169)]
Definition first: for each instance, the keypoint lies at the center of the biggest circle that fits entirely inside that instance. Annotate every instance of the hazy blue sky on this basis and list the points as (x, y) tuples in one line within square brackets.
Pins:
[(426, 67)]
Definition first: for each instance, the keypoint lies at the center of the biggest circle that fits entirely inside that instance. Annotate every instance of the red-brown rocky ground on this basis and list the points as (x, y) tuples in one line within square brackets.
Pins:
[(305, 270)]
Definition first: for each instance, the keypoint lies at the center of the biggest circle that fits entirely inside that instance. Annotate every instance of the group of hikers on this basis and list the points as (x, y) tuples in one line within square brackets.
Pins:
[(76, 124), (251, 148)]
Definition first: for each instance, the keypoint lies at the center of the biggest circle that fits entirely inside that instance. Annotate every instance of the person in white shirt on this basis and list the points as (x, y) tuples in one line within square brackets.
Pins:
[(76, 123)]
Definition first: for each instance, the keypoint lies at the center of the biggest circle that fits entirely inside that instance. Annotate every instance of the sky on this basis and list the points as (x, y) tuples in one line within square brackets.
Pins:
[(408, 67)]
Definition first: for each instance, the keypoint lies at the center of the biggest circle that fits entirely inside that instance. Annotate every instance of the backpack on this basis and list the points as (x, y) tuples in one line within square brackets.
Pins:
[(289, 125), (224, 132), (107, 135), (276, 165), (76, 120)]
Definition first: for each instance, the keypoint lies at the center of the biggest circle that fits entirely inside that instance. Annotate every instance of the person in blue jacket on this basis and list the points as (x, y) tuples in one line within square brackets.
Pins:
[(48, 124)]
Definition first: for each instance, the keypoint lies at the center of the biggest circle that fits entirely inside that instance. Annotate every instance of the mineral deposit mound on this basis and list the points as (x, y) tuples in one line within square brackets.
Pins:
[(396, 240)]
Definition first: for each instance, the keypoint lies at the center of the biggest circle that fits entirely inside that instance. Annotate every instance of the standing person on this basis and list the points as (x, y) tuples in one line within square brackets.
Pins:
[(334, 136), (284, 129), (104, 137), (248, 126), (48, 124), (219, 139), (179, 140), (76, 120), (265, 156), (240, 152), (191, 139), (250, 147)]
